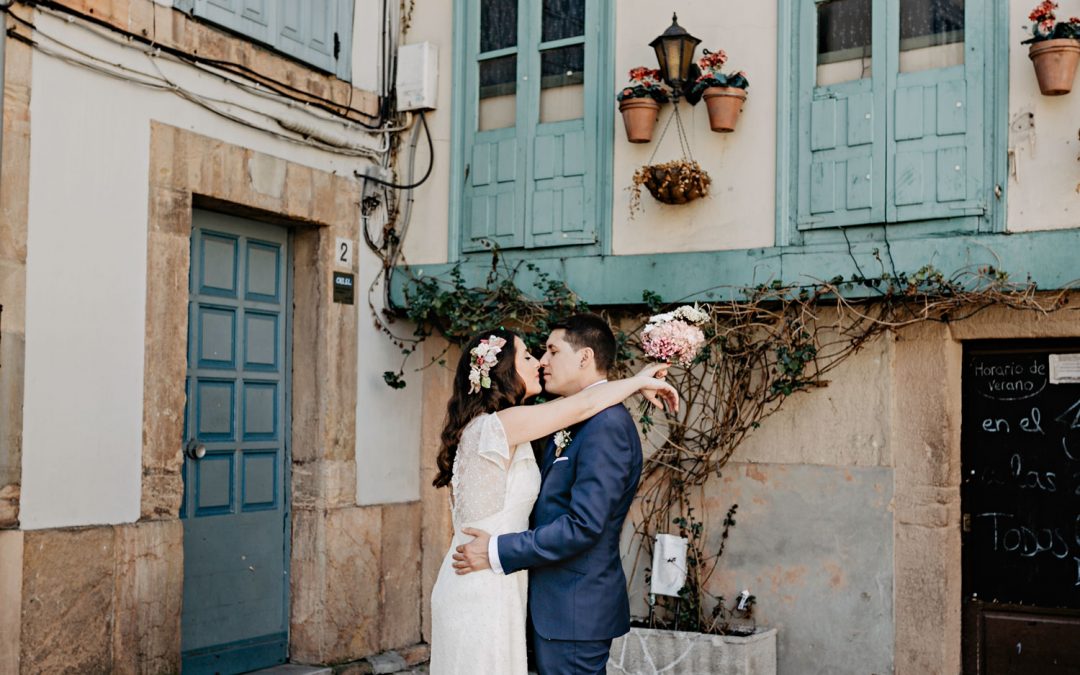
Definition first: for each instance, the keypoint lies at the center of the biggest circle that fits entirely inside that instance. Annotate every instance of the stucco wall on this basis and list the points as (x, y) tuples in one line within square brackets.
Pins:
[(1044, 151), (86, 289), (813, 539), (739, 212)]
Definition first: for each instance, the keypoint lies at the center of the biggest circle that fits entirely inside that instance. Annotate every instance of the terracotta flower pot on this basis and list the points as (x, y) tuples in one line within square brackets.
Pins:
[(639, 117), (724, 104), (1055, 64)]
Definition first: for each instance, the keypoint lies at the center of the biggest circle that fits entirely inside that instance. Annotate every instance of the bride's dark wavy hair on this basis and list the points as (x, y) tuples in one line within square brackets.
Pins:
[(506, 390)]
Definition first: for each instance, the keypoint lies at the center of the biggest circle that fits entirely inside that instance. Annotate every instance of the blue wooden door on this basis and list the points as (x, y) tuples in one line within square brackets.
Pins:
[(235, 510)]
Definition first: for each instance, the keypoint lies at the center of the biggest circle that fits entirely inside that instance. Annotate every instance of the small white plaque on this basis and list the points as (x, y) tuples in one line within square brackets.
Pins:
[(343, 253), (1065, 369)]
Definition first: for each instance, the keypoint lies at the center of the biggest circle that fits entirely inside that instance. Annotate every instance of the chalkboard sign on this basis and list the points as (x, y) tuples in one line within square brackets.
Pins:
[(1020, 455)]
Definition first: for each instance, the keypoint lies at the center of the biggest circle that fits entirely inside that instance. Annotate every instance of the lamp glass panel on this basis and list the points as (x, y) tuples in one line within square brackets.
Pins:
[(844, 41), (562, 83), (931, 34), (661, 59), (688, 47), (498, 93), (498, 24), (674, 59)]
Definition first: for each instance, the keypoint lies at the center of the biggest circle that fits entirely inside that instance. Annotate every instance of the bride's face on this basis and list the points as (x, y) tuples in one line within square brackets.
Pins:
[(528, 368)]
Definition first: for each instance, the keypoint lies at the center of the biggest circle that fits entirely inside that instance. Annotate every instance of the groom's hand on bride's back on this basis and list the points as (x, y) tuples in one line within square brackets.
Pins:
[(472, 556)]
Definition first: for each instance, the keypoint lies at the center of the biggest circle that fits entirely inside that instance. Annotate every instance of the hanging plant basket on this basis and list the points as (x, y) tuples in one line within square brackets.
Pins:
[(639, 117), (675, 182), (724, 104), (1055, 64)]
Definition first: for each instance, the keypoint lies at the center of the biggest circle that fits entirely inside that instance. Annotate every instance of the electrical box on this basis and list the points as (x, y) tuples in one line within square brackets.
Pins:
[(417, 76)]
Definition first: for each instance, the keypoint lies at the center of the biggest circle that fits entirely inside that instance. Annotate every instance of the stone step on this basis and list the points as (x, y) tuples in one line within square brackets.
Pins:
[(293, 669)]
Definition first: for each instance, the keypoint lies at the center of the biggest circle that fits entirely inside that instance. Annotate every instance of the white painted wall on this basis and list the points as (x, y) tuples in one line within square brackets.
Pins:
[(1044, 151), (86, 281), (366, 43), (387, 420), (428, 238), (740, 209)]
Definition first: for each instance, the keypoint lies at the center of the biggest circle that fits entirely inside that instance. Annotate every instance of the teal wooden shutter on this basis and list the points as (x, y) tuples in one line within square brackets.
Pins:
[(493, 204), (317, 32), (841, 137), (534, 184), (252, 18), (494, 191), (936, 141), (560, 209)]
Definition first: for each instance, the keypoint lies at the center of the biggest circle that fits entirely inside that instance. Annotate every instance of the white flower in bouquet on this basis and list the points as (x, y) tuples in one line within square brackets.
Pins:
[(674, 337)]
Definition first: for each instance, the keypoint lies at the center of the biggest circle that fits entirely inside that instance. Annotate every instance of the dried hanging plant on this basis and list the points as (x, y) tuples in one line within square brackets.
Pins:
[(675, 182)]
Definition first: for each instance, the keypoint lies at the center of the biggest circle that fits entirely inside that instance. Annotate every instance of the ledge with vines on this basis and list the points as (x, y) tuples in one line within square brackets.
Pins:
[(774, 341)]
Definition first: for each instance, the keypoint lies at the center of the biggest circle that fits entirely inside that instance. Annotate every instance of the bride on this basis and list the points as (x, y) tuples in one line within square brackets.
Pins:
[(478, 620)]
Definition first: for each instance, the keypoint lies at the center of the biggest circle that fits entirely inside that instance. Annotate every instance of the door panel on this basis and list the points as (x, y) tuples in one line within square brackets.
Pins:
[(235, 515), (1020, 529)]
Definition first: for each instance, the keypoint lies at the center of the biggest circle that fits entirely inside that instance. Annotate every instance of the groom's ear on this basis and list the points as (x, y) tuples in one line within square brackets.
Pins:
[(586, 356)]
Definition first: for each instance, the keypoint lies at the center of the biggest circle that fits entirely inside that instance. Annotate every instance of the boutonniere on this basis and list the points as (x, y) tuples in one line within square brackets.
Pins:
[(562, 439)]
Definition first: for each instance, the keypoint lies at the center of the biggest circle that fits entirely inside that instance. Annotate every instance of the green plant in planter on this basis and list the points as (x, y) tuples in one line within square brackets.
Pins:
[(644, 83), (1055, 49), (724, 93), (639, 103), (711, 75), (1045, 26)]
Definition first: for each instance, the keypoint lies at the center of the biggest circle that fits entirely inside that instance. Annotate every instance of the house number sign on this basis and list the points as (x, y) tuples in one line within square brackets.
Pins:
[(343, 253)]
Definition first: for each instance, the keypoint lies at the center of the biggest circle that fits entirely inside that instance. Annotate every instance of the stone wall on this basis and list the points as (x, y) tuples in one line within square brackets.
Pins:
[(848, 528), (108, 598), (100, 599), (14, 187)]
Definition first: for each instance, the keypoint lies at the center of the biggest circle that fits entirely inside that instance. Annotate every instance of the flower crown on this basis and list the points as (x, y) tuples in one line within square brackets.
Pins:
[(484, 356)]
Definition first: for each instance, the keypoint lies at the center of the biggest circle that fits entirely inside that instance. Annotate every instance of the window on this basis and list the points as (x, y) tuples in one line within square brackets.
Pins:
[(891, 115), (528, 148), (316, 32)]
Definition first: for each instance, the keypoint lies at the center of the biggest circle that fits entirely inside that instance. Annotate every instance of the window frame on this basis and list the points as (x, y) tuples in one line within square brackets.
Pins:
[(988, 37), (598, 177)]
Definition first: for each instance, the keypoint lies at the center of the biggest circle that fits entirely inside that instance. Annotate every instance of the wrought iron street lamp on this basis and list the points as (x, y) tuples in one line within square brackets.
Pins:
[(675, 54)]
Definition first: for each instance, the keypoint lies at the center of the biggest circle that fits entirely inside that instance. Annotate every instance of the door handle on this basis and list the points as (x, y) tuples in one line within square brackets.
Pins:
[(195, 449)]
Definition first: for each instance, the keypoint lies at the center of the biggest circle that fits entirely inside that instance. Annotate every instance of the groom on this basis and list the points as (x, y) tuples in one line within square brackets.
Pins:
[(577, 590)]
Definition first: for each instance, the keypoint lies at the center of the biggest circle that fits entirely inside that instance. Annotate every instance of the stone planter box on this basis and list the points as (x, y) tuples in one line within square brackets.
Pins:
[(646, 651)]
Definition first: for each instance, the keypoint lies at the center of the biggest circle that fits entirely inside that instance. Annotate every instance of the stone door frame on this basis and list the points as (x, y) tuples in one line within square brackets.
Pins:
[(190, 171), (926, 459)]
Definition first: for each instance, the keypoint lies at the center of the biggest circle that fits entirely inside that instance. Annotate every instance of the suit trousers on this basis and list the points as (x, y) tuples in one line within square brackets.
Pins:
[(570, 657)]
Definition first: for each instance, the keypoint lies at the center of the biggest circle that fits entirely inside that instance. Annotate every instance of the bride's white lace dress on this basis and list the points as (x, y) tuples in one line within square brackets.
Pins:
[(478, 619)]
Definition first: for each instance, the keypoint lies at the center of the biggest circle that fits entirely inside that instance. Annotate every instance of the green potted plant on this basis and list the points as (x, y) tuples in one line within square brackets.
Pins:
[(724, 94), (1055, 49), (639, 103)]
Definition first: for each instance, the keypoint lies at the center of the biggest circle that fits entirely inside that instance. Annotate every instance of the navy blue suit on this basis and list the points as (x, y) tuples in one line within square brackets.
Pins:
[(577, 589)]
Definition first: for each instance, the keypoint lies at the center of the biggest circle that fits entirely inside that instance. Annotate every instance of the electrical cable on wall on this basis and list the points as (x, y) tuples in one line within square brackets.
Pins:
[(427, 173), (161, 82), (277, 86)]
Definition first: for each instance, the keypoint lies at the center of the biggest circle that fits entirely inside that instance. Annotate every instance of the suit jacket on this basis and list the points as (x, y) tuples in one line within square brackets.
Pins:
[(577, 589)]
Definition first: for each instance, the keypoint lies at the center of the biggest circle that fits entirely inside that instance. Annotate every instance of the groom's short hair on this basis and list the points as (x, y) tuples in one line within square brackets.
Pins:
[(590, 330)]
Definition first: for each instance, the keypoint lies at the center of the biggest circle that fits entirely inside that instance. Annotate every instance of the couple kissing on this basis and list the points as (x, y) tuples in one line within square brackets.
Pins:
[(537, 535)]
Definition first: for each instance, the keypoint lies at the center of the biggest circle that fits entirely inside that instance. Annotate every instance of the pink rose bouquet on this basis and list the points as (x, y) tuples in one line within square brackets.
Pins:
[(675, 337)]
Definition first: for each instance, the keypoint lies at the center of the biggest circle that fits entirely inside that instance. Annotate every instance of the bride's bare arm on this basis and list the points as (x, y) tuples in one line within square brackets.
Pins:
[(526, 423)]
